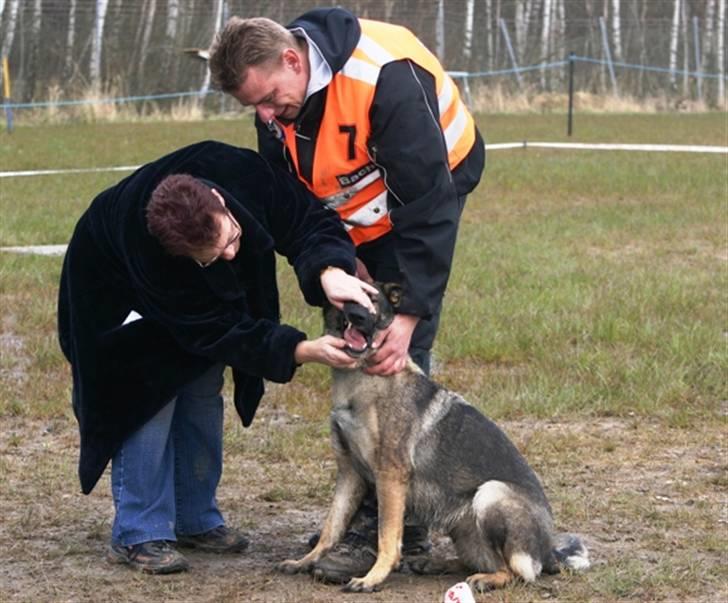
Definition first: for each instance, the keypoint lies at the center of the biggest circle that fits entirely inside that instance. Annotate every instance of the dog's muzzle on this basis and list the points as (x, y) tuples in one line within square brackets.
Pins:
[(359, 327)]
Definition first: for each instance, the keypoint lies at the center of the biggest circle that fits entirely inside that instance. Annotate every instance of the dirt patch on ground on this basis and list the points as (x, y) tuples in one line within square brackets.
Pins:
[(650, 502)]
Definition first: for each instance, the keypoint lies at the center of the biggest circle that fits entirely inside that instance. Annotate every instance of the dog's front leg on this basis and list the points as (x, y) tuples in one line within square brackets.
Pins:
[(348, 494), (391, 498)]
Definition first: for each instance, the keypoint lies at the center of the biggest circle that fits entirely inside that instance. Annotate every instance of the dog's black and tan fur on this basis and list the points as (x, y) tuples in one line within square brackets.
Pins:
[(430, 453)]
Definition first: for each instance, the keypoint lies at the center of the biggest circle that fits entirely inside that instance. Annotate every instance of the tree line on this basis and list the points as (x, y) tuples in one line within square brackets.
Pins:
[(134, 47)]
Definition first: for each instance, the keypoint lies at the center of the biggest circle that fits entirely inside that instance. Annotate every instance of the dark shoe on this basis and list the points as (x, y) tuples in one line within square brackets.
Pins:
[(154, 557), (353, 557), (416, 541), (218, 540)]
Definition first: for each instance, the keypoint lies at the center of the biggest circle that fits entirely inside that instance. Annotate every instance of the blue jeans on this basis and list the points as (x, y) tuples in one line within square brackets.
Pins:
[(164, 477)]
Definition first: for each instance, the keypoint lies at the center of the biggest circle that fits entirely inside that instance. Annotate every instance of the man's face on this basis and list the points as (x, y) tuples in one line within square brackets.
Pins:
[(276, 89)]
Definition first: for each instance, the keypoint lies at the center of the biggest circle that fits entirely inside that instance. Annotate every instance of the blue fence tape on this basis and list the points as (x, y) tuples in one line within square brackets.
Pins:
[(457, 74), (698, 74)]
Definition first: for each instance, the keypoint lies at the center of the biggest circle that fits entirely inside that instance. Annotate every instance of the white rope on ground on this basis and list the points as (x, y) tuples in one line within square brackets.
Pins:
[(675, 148), (119, 168), (599, 146), (38, 249), (603, 146)]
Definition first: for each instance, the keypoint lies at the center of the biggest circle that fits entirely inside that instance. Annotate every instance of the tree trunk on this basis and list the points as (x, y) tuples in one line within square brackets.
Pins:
[(489, 34), (686, 49), (616, 31), (468, 42), (560, 33), (720, 53), (521, 28), (440, 31), (545, 32), (674, 36), (216, 26), (643, 45), (707, 35), (171, 62), (34, 62), (97, 44), (146, 36), (10, 28), (388, 10), (69, 63)]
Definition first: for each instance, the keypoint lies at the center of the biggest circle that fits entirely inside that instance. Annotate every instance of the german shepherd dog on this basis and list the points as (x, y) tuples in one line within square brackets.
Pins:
[(430, 453)]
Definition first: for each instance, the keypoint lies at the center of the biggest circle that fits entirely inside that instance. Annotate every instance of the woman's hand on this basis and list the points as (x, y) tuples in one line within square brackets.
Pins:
[(328, 350), (341, 287)]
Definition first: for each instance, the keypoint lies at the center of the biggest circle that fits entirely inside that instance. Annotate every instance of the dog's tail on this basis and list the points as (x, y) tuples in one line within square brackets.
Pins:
[(570, 551)]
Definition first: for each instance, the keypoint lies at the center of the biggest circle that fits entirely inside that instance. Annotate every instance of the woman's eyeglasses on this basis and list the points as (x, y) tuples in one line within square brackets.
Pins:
[(236, 235)]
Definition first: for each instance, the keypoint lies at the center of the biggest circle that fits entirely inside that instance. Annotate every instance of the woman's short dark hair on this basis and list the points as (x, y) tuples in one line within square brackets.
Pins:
[(182, 215)]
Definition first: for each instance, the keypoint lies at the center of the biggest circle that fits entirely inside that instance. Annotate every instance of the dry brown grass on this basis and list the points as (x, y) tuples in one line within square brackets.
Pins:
[(495, 98)]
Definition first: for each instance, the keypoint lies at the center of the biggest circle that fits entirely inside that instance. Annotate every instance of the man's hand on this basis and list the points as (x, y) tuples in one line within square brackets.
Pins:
[(340, 287), (393, 344), (326, 350)]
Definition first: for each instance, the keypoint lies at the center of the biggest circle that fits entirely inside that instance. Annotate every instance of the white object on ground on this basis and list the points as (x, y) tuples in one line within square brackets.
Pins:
[(459, 593)]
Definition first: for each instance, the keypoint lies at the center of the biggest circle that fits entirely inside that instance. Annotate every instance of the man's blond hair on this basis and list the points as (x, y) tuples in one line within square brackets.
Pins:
[(244, 43)]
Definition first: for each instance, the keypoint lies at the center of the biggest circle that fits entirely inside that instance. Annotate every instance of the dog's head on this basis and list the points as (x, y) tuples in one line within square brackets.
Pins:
[(357, 326)]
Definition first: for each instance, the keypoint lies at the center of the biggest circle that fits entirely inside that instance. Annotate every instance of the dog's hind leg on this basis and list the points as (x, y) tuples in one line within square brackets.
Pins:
[(348, 494), (391, 496)]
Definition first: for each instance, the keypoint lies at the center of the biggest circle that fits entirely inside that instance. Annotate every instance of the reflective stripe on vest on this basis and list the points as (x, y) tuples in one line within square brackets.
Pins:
[(344, 176)]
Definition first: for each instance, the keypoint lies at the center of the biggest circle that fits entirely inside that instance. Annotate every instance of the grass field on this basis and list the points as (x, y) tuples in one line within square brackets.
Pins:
[(587, 312)]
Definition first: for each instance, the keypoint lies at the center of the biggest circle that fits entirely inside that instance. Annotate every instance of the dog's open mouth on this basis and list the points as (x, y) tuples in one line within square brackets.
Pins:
[(357, 343), (359, 327)]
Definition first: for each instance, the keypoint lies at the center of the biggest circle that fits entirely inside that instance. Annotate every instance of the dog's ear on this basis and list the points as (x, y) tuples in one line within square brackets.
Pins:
[(393, 293)]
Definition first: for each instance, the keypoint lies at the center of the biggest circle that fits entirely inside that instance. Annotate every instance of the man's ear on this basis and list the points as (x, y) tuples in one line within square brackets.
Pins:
[(292, 59), (393, 293)]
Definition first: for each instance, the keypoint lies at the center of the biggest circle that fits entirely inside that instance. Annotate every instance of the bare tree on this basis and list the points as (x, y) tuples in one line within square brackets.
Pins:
[(113, 43), (97, 43), (674, 35), (560, 32), (489, 30), (216, 26), (521, 26), (707, 34), (720, 53), (468, 42), (34, 62), (68, 65), (545, 33), (388, 10), (616, 31), (12, 24), (170, 62), (146, 36), (440, 30)]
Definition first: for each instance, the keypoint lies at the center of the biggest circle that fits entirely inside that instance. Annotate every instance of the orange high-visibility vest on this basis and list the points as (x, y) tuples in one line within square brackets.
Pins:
[(344, 176)]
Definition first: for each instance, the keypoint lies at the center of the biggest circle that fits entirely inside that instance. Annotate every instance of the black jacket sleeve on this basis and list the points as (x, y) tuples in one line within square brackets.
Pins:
[(310, 235), (407, 143)]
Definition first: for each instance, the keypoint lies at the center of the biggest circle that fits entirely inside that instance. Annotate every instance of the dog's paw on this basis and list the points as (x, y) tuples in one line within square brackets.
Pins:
[(292, 566), (360, 585)]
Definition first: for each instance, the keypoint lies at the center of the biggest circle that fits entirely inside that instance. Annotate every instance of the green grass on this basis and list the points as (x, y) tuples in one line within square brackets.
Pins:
[(587, 310), (584, 282)]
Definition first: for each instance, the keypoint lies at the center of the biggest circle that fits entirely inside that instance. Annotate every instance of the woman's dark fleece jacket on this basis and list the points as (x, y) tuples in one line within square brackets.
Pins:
[(123, 374)]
